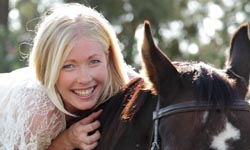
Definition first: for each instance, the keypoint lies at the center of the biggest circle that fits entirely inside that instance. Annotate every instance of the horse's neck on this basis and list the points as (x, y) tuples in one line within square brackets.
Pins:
[(119, 113), (115, 105)]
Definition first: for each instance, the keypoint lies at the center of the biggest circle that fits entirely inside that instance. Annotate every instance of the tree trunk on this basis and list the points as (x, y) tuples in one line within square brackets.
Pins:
[(4, 11)]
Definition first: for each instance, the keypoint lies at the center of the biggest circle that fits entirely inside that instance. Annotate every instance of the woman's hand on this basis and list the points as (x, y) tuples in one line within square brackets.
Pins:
[(78, 134)]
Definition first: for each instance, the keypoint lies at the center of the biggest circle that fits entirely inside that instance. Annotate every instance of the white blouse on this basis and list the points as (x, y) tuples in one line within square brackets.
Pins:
[(28, 119)]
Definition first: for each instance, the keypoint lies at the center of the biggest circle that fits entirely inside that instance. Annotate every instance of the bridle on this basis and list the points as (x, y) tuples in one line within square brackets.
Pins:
[(190, 106)]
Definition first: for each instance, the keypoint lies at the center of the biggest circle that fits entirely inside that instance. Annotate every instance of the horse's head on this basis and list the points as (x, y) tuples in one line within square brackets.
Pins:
[(219, 89), (184, 81)]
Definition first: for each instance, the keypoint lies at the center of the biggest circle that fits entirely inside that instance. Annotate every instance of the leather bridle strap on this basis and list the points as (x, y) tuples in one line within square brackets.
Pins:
[(155, 145), (190, 106)]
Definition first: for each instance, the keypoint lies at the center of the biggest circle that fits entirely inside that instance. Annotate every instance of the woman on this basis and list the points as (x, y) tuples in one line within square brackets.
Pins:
[(75, 64)]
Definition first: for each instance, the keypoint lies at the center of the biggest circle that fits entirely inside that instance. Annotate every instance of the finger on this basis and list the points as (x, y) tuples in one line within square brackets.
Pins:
[(92, 146), (87, 119), (80, 132), (93, 138), (90, 141), (91, 117), (91, 127)]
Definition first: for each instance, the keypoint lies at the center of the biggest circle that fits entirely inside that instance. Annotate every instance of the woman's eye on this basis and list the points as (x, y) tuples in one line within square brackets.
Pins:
[(94, 61), (69, 66)]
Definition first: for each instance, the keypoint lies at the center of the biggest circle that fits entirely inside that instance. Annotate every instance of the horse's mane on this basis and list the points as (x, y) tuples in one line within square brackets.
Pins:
[(214, 87), (122, 106), (134, 90)]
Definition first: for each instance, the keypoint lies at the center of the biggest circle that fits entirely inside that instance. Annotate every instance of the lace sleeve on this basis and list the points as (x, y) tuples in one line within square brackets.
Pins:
[(29, 120)]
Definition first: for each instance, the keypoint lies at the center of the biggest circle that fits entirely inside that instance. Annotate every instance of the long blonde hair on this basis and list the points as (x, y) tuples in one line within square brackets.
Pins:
[(56, 36)]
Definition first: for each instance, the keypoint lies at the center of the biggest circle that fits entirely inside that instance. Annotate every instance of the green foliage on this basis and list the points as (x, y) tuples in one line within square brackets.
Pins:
[(28, 10), (165, 16), (9, 58)]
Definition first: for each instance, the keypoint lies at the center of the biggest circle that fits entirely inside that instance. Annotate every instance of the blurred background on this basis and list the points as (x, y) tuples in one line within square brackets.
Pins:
[(197, 30)]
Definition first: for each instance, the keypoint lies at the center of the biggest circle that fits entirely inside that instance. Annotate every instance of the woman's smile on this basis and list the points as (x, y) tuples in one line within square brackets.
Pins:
[(84, 92)]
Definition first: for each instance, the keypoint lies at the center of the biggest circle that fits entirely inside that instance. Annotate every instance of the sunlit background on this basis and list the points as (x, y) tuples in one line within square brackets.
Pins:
[(197, 30)]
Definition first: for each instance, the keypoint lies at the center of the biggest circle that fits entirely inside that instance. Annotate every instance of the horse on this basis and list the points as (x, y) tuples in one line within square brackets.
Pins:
[(181, 105)]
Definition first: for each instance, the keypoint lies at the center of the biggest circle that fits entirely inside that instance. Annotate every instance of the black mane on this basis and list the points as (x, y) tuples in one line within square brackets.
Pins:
[(212, 85)]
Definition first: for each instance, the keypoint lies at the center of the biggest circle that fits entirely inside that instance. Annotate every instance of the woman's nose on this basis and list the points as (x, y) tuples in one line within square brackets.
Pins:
[(84, 76)]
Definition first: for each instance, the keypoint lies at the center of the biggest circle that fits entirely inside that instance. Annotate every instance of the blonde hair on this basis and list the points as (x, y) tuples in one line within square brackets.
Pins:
[(56, 36)]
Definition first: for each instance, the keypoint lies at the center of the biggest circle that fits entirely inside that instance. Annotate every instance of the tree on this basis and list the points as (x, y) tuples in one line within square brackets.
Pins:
[(178, 25), (11, 41), (4, 11), (4, 5)]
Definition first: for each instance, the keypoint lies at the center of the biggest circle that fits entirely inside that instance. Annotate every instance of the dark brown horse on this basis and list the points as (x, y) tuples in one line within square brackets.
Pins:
[(196, 106)]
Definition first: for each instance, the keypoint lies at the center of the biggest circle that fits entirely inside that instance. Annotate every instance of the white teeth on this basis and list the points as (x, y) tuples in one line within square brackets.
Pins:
[(84, 92)]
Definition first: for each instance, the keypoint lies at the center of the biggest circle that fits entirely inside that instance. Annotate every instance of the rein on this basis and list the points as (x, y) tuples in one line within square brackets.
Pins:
[(183, 107)]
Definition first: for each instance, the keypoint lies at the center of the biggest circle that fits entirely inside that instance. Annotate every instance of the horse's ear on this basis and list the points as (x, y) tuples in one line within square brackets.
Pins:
[(239, 57), (157, 66)]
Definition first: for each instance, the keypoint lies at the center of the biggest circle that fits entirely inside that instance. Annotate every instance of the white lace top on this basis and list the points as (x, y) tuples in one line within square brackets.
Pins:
[(28, 119)]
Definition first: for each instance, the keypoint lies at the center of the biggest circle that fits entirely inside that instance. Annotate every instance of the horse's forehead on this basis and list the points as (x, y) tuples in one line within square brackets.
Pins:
[(193, 71), (188, 69), (192, 67)]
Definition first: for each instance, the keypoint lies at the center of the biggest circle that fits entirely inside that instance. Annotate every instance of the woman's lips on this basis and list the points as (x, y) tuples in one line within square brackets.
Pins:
[(84, 92)]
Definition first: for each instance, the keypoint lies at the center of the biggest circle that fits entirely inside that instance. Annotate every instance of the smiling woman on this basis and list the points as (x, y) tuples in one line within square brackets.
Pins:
[(75, 65), (84, 75)]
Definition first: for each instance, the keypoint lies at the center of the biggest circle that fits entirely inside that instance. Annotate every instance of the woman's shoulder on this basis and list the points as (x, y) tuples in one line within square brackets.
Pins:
[(22, 90), (29, 111), (28, 88), (14, 79)]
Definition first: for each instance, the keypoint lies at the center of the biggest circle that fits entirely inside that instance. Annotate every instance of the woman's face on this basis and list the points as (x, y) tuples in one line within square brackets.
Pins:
[(82, 78)]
